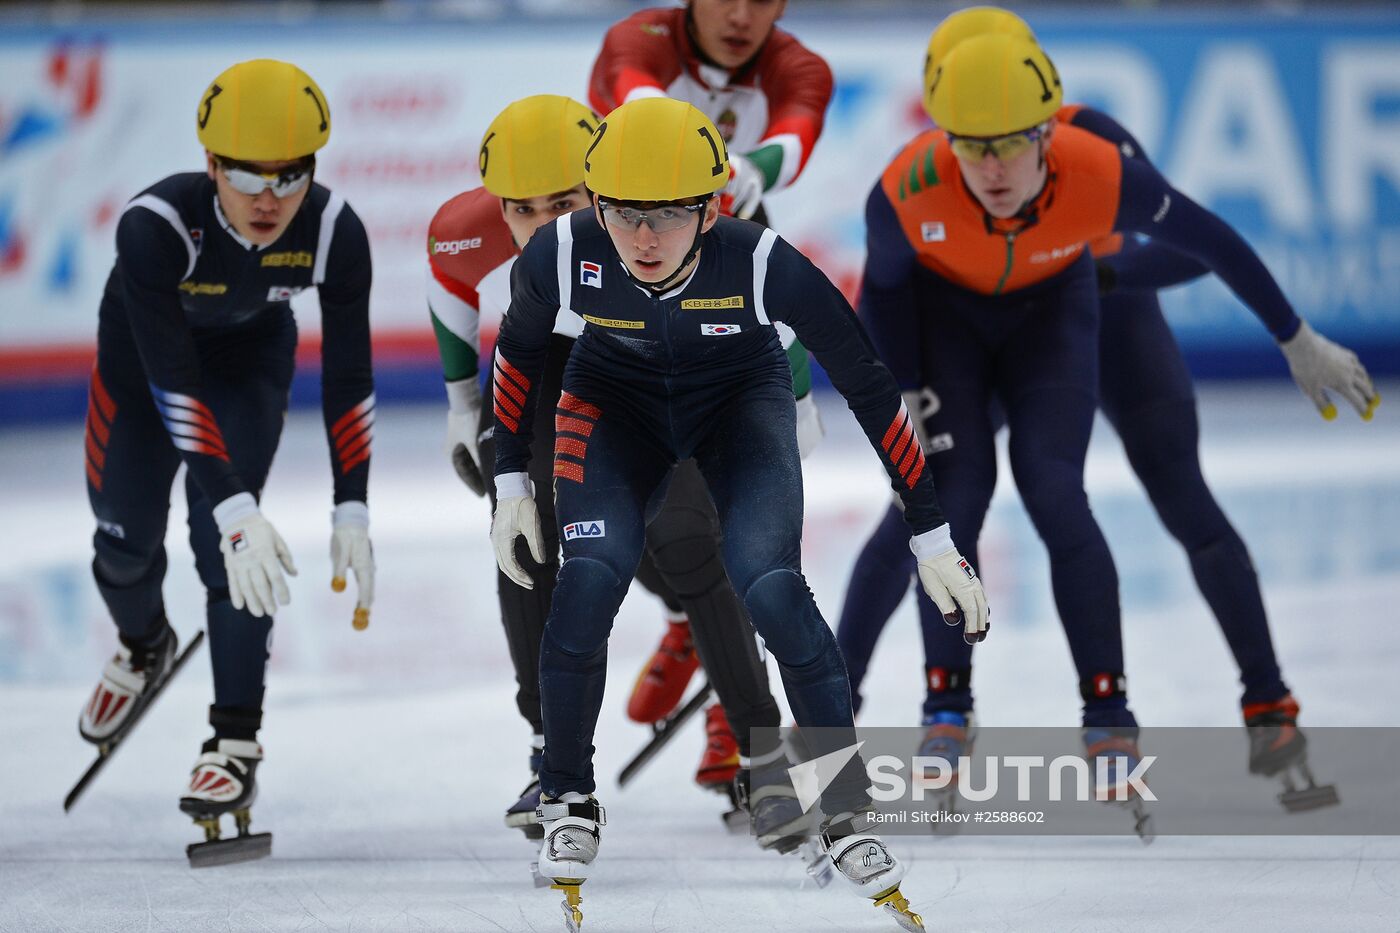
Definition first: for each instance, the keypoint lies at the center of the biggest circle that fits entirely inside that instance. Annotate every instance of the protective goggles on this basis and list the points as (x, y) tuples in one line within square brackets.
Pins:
[(1002, 148), (246, 181), (659, 219)]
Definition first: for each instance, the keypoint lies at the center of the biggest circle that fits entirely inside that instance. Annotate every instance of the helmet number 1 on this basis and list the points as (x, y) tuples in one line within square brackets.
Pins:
[(1044, 86), (597, 138), (214, 91), (718, 167), (322, 110)]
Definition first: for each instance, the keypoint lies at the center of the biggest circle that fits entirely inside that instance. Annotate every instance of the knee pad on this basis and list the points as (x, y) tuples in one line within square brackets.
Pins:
[(783, 611), (587, 595), (119, 563), (684, 545)]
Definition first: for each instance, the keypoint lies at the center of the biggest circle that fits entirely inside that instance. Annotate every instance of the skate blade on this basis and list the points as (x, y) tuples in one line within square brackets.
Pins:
[(572, 904), (896, 905), (736, 822), (816, 863), (1309, 798), (229, 851), (1143, 824)]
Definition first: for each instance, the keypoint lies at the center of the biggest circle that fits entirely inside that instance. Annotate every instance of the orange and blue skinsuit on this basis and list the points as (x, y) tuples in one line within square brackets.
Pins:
[(1001, 319)]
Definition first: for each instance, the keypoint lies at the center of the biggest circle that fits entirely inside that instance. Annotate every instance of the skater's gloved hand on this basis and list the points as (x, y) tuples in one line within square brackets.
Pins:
[(463, 446), (810, 429), (254, 556), (744, 192), (1319, 364), (350, 547), (516, 515), (951, 582)]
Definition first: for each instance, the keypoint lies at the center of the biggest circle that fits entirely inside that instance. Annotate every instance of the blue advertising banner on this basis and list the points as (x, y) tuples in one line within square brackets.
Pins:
[(1287, 126)]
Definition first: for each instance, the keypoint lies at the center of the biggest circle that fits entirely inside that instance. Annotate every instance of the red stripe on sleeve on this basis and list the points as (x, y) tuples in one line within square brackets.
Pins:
[(515, 374), (505, 418), (572, 425), (578, 406)]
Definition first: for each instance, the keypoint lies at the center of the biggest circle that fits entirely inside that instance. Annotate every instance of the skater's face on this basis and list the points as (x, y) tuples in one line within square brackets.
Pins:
[(527, 216), (651, 256), (1002, 182), (730, 32), (260, 218)]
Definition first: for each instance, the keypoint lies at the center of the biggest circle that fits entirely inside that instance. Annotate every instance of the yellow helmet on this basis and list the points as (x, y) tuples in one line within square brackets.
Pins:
[(535, 147), (993, 85), (263, 111), (656, 149), (964, 24)]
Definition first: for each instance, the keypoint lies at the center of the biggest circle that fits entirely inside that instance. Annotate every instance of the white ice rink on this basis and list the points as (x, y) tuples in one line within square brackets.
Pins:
[(392, 752)]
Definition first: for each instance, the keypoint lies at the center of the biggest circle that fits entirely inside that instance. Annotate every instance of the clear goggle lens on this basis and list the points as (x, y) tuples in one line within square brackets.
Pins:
[(659, 219), (1002, 148), (281, 184)]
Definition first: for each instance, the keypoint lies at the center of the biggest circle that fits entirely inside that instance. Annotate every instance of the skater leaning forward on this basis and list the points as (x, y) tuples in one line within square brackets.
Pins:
[(679, 358), (194, 361)]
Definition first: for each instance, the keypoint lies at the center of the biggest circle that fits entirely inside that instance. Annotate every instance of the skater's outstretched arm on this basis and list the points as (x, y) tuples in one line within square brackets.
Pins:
[(798, 293)]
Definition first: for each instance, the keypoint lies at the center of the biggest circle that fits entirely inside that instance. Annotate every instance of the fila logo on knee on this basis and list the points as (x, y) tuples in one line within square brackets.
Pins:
[(585, 529)]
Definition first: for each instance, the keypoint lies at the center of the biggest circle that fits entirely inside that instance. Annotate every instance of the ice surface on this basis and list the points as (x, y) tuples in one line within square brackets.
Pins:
[(392, 752)]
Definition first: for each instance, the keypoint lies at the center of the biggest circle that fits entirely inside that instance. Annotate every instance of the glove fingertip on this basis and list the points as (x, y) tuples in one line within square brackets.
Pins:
[(1329, 412)]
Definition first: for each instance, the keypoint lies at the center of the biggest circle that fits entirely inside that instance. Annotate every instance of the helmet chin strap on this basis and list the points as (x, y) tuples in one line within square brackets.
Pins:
[(660, 287)]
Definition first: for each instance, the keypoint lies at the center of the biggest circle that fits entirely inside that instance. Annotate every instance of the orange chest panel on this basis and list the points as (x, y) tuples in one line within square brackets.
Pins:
[(952, 235)]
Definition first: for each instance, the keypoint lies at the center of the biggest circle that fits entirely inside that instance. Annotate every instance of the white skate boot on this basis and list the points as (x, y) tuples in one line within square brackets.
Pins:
[(128, 682), (224, 780), (862, 858), (570, 845)]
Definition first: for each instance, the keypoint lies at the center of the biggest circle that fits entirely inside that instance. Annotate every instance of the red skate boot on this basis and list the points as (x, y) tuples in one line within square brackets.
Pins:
[(662, 683), (720, 762)]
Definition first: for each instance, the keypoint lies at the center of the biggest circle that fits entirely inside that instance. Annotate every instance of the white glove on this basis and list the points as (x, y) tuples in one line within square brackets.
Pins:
[(516, 515), (745, 187), (951, 582), (1318, 364), (462, 446), (810, 429), (350, 547), (254, 556)]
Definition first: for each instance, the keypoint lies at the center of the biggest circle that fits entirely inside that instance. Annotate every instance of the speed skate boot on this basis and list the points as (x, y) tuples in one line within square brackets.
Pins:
[(948, 735), (128, 683), (1113, 756), (224, 781), (720, 762), (521, 814), (1278, 748), (862, 858), (570, 826), (763, 789), (662, 682)]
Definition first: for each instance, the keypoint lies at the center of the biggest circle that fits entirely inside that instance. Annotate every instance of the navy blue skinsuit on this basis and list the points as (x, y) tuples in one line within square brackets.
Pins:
[(1146, 393), (195, 354), (697, 372)]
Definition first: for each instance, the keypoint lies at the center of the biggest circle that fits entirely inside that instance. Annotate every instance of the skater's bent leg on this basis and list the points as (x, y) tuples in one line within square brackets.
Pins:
[(603, 481), (751, 463), (249, 397), (1147, 395), (683, 541), (130, 468), (1050, 395)]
